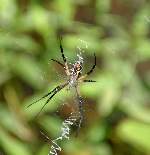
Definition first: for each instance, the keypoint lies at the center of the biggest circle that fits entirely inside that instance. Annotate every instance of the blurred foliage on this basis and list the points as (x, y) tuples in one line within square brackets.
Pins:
[(117, 107)]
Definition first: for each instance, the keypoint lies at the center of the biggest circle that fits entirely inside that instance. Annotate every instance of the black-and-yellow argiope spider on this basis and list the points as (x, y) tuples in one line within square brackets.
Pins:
[(74, 78)]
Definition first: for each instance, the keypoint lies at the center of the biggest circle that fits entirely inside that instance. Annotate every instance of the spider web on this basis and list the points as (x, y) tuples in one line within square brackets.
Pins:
[(75, 117)]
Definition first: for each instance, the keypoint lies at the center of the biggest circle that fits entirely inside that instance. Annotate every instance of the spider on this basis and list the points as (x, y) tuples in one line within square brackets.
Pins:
[(74, 78)]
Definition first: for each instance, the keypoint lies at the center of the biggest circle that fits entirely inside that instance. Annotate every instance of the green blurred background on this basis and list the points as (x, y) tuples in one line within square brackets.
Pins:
[(117, 107)]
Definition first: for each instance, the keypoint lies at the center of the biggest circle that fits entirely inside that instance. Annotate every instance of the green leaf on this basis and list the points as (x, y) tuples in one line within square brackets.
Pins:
[(135, 133), (11, 145), (28, 69)]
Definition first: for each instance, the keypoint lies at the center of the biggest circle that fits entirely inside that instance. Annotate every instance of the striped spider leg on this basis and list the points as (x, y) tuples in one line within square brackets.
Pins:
[(82, 78), (64, 58), (53, 92), (65, 65)]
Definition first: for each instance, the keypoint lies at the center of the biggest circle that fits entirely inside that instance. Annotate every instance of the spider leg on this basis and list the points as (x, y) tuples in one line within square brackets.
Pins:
[(89, 81), (80, 105), (40, 99), (84, 76), (61, 49), (58, 62), (93, 66), (63, 56), (55, 91)]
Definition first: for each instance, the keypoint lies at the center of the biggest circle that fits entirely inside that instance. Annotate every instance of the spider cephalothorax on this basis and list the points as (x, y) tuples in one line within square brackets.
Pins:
[(74, 76), (75, 72), (77, 68)]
